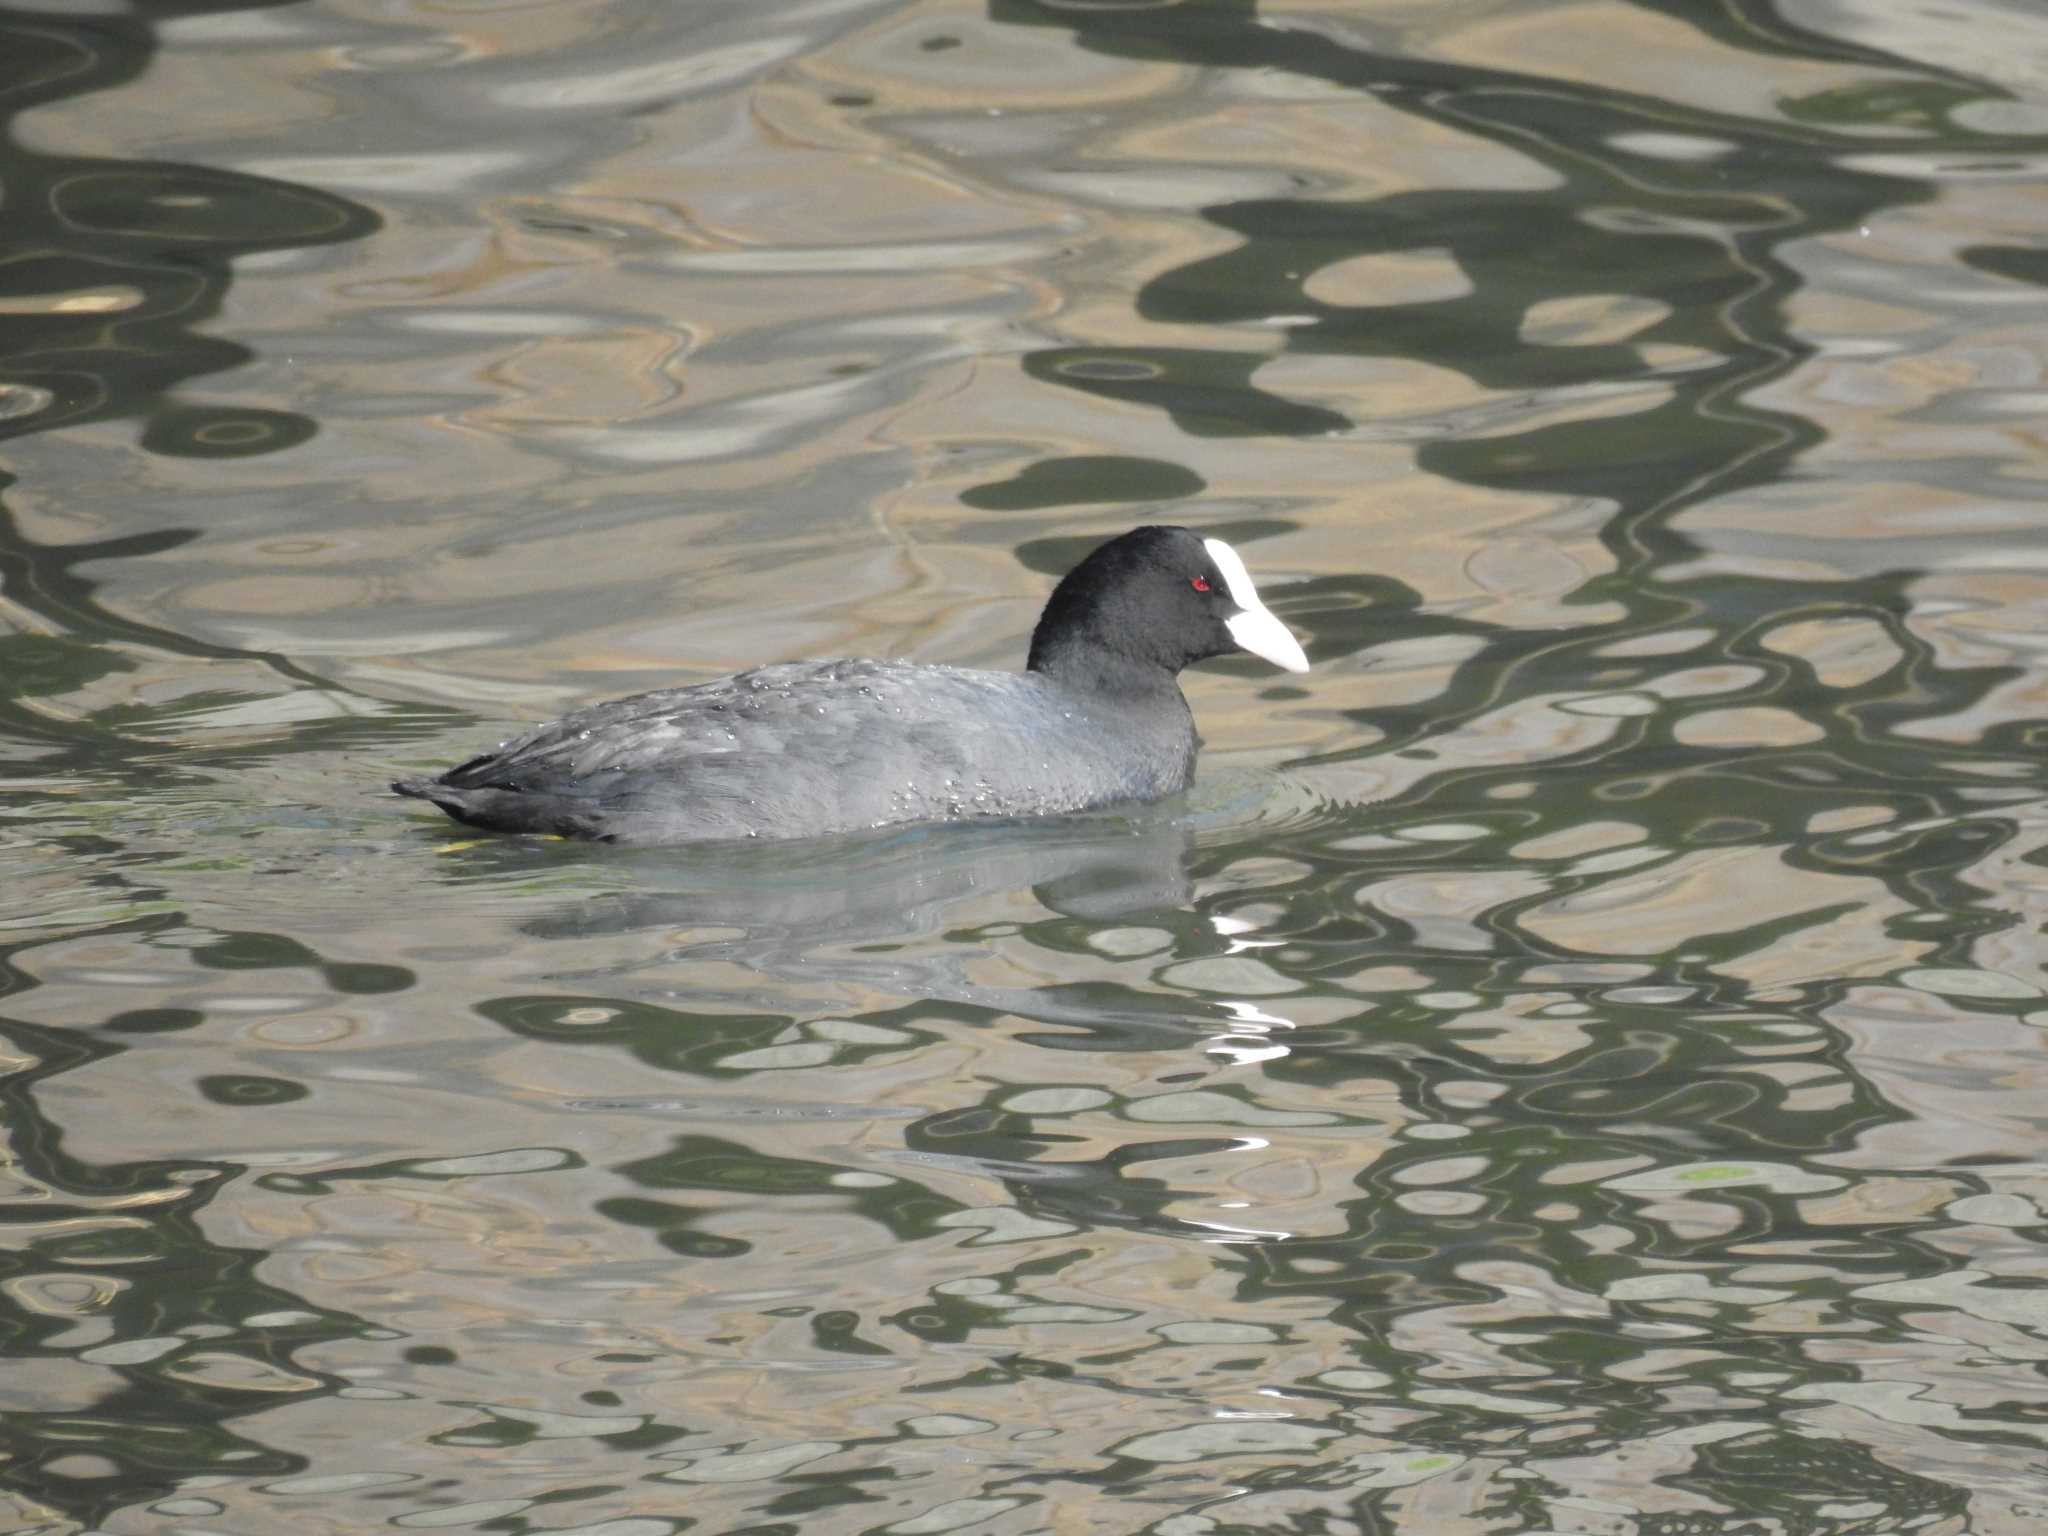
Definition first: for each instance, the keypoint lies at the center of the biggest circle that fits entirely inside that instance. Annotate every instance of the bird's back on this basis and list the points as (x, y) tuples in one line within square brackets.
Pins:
[(808, 748)]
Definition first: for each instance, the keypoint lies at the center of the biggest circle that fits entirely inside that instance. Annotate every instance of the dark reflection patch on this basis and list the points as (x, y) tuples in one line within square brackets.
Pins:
[(250, 1092), (2019, 263), (216, 207), (154, 1021), (1085, 478), (223, 432)]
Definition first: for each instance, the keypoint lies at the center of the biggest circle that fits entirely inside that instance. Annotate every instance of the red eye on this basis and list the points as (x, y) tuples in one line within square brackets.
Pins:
[(1199, 583)]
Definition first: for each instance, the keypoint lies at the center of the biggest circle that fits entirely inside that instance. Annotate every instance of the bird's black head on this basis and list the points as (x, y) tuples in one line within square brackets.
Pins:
[(1150, 602)]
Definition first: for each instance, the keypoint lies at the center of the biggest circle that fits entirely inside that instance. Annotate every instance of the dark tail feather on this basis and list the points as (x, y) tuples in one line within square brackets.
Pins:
[(507, 810)]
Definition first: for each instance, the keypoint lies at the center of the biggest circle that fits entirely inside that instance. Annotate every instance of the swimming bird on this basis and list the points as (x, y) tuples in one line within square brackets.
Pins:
[(811, 748)]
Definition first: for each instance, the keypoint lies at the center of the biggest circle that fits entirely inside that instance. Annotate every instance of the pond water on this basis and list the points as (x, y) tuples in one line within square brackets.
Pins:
[(1573, 1064)]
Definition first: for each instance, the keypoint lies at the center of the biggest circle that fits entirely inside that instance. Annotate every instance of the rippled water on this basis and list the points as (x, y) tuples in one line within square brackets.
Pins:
[(1573, 1064)]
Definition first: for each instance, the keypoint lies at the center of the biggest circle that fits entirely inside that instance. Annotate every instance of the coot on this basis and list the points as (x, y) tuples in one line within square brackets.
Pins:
[(807, 748)]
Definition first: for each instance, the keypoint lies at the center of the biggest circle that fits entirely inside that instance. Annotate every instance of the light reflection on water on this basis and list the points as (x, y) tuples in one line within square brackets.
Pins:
[(1570, 1064)]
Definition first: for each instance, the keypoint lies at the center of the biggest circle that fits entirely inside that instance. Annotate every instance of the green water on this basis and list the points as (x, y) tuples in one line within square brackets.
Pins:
[(1571, 1065)]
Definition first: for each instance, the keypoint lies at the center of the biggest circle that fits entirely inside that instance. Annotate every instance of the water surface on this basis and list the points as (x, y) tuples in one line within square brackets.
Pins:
[(1570, 1065)]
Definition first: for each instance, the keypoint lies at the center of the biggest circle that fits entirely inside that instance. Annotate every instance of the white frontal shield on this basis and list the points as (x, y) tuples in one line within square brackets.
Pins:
[(1255, 628)]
